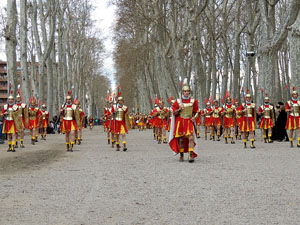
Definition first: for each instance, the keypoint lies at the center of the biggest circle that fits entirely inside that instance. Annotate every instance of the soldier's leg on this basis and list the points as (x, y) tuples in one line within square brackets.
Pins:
[(212, 132), (191, 148), (159, 134), (36, 133), (251, 134), (205, 132), (72, 139), (154, 133), (124, 142), (112, 139), (22, 138), (67, 138), (231, 130), (9, 141), (181, 148), (118, 142), (164, 135), (245, 139), (291, 137), (226, 134), (218, 132), (32, 136), (198, 131), (108, 137), (270, 135)]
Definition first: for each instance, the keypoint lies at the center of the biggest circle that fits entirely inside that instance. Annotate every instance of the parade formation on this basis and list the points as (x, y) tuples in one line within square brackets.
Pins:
[(178, 124)]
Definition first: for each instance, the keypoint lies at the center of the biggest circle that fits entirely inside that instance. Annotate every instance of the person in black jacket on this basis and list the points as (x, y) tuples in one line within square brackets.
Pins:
[(280, 133)]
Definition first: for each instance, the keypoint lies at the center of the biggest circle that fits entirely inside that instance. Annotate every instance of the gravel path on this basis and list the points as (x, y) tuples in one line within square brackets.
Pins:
[(147, 185)]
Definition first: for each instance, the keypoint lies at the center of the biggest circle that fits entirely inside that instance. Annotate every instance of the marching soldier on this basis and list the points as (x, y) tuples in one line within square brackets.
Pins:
[(69, 114), (80, 125), (121, 122), (229, 113), (267, 120), (160, 113), (208, 119), (34, 113), (293, 121), (22, 118), (44, 121), (9, 111), (182, 131), (91, 121), (248, 110), (217, 110)]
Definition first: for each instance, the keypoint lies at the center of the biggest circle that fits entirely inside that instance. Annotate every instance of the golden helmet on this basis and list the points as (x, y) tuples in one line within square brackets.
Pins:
[(294, 91), (120, 98)]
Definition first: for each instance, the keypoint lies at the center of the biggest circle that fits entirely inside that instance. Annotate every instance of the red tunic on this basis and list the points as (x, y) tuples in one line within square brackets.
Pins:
[(293, 122), (33, 123), (247, 123), (208, 120), (265, 123), (160, 123), (68, 125), (119, 126), (9, 126), (229, 122)]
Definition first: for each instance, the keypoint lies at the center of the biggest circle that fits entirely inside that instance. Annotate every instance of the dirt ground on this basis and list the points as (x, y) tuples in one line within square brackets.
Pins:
[(44, 184)]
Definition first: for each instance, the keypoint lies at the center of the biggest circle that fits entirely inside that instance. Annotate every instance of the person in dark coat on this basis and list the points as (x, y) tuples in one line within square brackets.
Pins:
[(280, 131)]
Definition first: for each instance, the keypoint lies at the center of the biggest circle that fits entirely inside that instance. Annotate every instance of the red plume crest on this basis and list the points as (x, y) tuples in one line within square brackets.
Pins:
[(294, 88), (227, 94), (266, 94), (206, 100), (262, 90), (170, 99), (247, 91), (233, 101)]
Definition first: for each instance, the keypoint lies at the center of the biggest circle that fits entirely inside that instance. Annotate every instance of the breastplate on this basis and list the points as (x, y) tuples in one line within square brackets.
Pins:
[(249, 110), (216, 113), (32, 114), (229, 112), (207, 115), (237, 115), (267, 113), (43, 115), (187, 110), (9, 115), (296, 109), (68, 114), (162, 113), (119, 115)]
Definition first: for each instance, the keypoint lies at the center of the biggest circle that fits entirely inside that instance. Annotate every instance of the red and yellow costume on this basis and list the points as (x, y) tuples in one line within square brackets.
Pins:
[(293, 121), (249, 117), (267, 120), (44, 118), (9, 126), (229, 110), (208, 120), (217, 110), (160, 118), (34, 114), (183, 126), (22, 110), (118, 125), (68, 120)]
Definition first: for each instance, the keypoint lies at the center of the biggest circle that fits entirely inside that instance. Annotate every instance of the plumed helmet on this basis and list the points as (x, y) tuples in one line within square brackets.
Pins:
[(294, 91), (120, 98)]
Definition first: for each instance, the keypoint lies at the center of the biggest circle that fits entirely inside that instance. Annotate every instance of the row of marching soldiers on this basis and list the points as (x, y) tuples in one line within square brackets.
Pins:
[(18, 116), (116, 122), (237, 118)]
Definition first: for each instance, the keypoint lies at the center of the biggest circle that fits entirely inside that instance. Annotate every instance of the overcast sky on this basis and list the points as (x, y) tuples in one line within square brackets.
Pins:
[(104, 15)]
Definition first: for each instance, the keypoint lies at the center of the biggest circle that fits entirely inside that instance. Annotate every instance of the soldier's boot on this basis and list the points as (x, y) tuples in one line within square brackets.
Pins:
[(112, 143), (108, 141), (165, 140), (13, 146), (218, 137), (9, 146), (71, 146), (159, 140), (225, 137), (124, 146), (236, 137), (291, 141), (240, 137), (191, 158), (198, 134), (75, 140), (16, 146), (232, 140), (78, 141), (265, 139), (210, 137), (33, 140), (68, 146), (269, 139), (298, 145), (252, 143), (36, 138), (205, 136), (118, 146), (181, 155), (154, 137), (213, 137), (22, 143), (245, 143)]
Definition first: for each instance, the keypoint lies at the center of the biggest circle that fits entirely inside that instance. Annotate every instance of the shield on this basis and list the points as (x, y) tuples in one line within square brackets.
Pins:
[(26, 117), (17, 116), (127, 121)]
